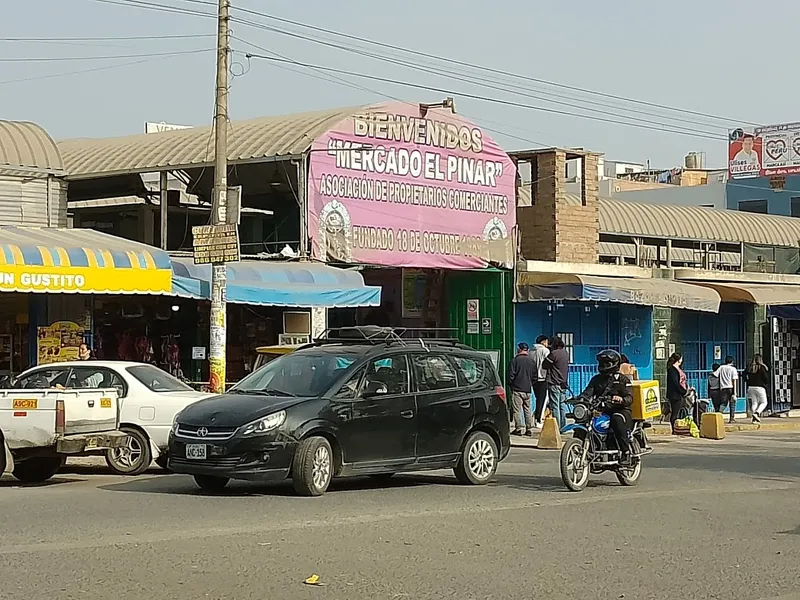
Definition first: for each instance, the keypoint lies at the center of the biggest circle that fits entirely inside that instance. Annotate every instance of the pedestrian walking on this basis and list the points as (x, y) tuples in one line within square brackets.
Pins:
[(539, 353), (677, 387), (713, 386), (757, 379), (728, 376), (521, 376), (557, 365), (626, 368)]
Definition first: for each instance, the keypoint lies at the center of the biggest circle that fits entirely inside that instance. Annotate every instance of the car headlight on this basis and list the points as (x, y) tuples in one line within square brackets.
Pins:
[(175, 423), (265, 424)]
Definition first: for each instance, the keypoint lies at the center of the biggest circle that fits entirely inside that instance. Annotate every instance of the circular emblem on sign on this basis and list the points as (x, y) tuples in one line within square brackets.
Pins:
[(335, 232), (202, 432), (495, 230)]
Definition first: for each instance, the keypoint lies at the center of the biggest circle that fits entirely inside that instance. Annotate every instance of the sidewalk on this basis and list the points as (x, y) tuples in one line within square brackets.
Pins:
[(662, 430)]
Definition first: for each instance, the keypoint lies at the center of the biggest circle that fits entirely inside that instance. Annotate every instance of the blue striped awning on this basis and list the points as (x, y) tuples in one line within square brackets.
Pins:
[(50, 259), (271, 283)]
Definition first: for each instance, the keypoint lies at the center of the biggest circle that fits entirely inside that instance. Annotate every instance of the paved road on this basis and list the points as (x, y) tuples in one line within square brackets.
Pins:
[(708, 520)]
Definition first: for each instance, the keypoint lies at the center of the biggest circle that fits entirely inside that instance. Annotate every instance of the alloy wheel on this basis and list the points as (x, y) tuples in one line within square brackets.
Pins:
[(481, 459), (129, 455), (321, 467)]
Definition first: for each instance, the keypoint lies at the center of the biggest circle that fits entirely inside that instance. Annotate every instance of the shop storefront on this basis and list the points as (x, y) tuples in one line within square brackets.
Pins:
[(591, 313), (760, 317), (269, 302), (706, 339), (49, 277), (424, 202)]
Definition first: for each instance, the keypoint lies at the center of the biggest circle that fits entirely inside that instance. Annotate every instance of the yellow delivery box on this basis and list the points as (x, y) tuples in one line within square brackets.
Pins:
[(646, 400)]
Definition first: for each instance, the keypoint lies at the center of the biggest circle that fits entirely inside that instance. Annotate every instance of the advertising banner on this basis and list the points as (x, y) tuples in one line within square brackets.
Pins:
[(406, 187), (768, 151)]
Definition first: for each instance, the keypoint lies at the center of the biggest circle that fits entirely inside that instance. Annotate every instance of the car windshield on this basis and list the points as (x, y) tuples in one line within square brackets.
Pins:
[(157, 380), (304, 373)]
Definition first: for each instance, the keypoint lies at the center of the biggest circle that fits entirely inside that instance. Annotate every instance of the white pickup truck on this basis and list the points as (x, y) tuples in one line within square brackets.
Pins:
[(39, 428)]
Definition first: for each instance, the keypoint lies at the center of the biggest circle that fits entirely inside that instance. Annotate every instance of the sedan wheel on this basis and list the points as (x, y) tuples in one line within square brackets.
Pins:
[(479, 459), (134, 457), (312, 468)]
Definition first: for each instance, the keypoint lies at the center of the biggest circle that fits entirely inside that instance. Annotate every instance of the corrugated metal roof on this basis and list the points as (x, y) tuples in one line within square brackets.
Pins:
[(265, 137), (668, 221), (651, 252), (27, 145)]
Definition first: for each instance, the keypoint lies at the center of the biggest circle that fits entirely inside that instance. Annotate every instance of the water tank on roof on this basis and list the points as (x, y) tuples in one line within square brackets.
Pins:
[(695, 160)]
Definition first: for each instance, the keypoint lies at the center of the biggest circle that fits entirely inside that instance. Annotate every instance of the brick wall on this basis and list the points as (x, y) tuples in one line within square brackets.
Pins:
[(550, 228)]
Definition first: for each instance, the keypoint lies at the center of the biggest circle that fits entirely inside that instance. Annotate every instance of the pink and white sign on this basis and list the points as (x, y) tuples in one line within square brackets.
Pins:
[(404, 187)]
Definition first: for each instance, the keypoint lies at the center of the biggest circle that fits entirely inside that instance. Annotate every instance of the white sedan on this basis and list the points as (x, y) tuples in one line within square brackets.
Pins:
[(150, 398)]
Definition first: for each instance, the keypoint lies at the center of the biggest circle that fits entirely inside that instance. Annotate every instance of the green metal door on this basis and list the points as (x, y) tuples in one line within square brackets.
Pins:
[(479, 306)]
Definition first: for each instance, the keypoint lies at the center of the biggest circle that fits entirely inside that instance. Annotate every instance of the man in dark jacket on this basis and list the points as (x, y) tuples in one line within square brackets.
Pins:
[(557, 365), (617, 390), (521, 375)]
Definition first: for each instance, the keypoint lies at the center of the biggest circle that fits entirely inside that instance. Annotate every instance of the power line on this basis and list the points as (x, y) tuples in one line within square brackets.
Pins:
[(158, 7), (180, 10), (107, 38), (482, 98), (92, 70), (659, 125), (483, 83), (341, 81), (478, 67), (117, 57)]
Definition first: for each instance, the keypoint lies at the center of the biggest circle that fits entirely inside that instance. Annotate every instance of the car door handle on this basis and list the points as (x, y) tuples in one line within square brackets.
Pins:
[(465, 404), (407, 414)]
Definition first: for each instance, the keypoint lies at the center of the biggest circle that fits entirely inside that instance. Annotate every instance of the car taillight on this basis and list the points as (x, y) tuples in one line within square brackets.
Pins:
[(500, 391), (61, 417)]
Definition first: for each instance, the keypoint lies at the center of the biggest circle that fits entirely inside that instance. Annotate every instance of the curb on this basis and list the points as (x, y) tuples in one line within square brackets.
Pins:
[(663, 433)]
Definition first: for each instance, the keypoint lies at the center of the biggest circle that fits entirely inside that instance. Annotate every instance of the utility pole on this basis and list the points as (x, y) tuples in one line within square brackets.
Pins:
[(219, 215)]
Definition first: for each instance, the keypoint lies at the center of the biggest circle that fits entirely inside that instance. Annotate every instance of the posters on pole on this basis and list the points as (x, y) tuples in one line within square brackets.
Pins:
[(769, 151), (403, 185)]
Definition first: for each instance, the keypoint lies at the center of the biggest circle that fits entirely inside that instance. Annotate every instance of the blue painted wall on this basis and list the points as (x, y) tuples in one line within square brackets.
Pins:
[(779, 202), (595, 326)]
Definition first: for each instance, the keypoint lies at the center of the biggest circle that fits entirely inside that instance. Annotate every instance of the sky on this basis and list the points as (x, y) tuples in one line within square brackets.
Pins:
[(697, 56)]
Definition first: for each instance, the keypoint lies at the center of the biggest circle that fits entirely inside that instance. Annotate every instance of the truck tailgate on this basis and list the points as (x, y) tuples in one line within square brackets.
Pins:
[(29, 418)]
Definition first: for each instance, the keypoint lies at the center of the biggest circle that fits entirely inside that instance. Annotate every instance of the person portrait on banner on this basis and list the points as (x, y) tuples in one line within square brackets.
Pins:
[(747, 155)]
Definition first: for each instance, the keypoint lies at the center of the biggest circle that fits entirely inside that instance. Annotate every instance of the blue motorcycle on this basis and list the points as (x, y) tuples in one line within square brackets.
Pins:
[(593, 447)]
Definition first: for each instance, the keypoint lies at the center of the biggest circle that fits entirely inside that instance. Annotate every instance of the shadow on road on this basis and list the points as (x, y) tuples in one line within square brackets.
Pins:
[(180, 484), (183, 485), (10, 482), (760, 466)]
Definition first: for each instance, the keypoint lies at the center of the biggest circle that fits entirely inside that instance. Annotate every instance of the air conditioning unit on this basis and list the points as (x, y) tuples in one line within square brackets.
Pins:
[(288, 339)]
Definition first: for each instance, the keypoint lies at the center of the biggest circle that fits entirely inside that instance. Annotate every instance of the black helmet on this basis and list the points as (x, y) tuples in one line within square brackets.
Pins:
[(608, 361)]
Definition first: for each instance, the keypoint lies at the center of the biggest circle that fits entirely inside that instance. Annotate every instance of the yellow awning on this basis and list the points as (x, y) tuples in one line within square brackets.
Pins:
[(774, 294), (626, 290), (79, 261)]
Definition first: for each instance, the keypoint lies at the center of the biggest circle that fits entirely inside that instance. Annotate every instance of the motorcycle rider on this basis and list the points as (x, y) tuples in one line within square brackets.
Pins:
[(618, 389)]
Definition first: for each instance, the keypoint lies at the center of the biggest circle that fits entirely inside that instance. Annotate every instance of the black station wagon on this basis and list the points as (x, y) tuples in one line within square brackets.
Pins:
[(359, 401)]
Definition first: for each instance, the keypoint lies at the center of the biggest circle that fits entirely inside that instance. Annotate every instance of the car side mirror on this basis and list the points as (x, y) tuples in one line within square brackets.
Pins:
[(375, 388)]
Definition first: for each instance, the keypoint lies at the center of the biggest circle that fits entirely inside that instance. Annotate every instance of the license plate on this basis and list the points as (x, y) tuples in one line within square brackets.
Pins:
[(26, 404), (105, 402), (196, 451), (91, 443)]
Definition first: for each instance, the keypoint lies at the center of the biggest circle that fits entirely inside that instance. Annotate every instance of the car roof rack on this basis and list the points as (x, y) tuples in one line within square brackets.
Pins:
[(376, 335)]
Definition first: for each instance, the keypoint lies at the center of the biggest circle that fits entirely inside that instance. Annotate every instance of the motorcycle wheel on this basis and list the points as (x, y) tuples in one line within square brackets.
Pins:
[(574, 475), (629, 476)]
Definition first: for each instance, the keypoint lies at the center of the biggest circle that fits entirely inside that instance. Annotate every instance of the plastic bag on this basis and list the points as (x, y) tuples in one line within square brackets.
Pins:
[(687, 426)]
